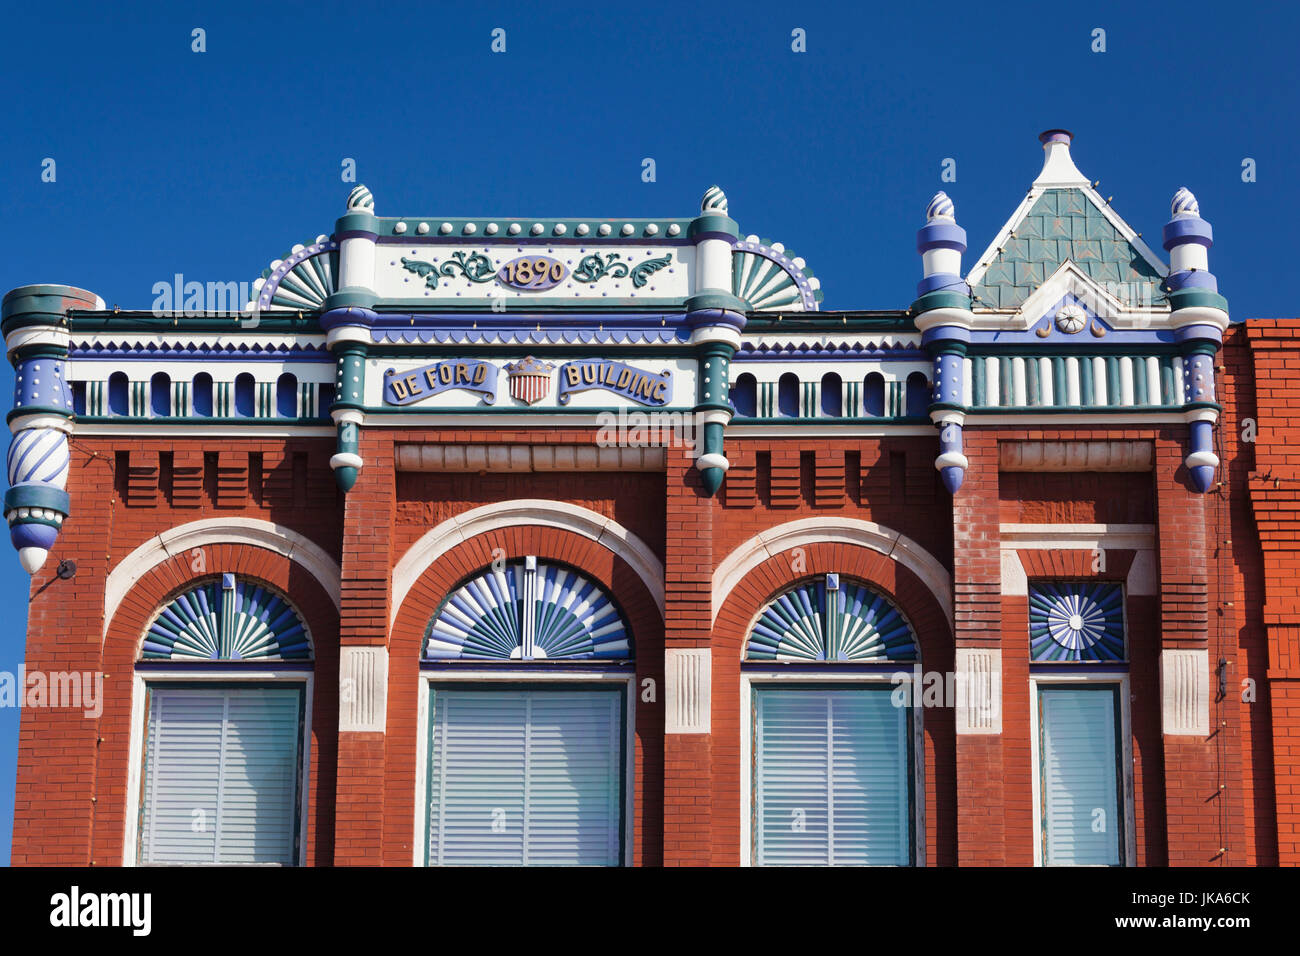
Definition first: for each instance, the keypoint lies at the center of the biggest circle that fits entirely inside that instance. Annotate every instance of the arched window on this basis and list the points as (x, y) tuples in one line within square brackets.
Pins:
[(286, 395), (835, 751), (245, 389), (226, 750), (203, 394), (119, 394), (744, 396), (787, 395), (918, 395), (832, 395), (873, 396), (557, 752), (160, 395)]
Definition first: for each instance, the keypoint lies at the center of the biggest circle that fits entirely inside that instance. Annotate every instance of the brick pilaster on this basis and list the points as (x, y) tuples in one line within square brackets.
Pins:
[(688, 740), (977, 583), (1192, 794), (363, 623)]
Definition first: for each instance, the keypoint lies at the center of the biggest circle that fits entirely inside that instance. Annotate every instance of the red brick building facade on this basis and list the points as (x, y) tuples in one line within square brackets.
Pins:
[(367, 526)]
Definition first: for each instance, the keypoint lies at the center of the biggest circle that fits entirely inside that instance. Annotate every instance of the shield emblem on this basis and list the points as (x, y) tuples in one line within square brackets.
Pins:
[(530, 379)]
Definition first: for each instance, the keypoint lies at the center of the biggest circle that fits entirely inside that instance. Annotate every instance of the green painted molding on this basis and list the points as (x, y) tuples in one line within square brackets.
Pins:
[(142, 321), (1202, 298), (359, 222), (716, 300), (714, 223), (843, 322), (939, 299)]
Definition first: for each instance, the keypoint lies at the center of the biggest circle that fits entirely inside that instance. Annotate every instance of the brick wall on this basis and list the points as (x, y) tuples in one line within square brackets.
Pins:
[(1218, 590)]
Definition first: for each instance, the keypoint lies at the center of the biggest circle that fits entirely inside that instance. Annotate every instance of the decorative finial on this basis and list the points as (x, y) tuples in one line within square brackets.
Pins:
[(360, 200), (940, 207), (1184, 203), (1058, 168), (714, 201)]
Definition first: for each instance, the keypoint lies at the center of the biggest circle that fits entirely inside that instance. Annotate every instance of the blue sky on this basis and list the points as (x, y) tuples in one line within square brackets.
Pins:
[(212, 164)]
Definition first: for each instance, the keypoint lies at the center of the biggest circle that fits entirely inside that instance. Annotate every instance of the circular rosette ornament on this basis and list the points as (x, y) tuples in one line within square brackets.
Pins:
[(1078, 621), (1071, 319)]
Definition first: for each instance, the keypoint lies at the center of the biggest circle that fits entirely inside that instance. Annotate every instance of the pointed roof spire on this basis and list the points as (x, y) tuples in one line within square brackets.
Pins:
[(1058, 167)]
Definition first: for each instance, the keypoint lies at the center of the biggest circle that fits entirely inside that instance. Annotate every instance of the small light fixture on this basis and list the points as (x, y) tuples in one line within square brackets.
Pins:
[(67, 569)]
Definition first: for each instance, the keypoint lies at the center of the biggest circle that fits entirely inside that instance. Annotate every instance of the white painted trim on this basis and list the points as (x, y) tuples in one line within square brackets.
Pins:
[(237, 674), (1078, 536), (806, 531), (363, 703), (1185, 691), (493, 419), (978, 707), (688, 690), (522, 458), (484, 678), (1083, 420), (896, 678), (196, 428), (210, 531), (1126, 759), (606, 532), (744, 430), (1142, 579), (1069, 279)]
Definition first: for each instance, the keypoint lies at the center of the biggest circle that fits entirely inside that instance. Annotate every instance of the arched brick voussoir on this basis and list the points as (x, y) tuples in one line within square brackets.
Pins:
[(164, 581), (606, 568), (903, 586)]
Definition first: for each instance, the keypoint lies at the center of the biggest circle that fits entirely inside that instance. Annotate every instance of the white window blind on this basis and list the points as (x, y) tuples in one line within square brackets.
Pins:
[(221, 775), (832, 777), (1079, 776), (525, 777)]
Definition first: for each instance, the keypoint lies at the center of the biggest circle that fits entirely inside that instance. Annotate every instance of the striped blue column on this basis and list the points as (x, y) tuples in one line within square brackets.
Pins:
[(943, 316), (1199, 316), (34, 322)]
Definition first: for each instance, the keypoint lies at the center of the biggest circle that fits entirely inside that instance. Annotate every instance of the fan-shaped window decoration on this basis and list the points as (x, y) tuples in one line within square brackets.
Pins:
[(227, 620), (831, 620), (528, 610), (1076, 621)]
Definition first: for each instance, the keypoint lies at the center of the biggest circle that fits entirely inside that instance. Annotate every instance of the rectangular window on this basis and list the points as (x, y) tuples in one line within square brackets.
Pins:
[(222, 770), (1080, 775), (832, 777), (525, 777)]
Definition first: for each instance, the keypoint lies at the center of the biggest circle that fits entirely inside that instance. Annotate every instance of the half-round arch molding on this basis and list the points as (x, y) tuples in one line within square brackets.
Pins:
[(174, 542), (606, 532), (807, 531)]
